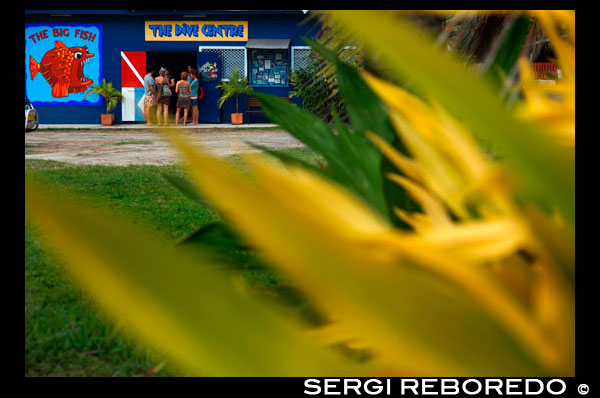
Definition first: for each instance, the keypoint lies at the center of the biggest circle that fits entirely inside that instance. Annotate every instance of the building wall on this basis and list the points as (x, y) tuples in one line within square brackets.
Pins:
[(126, 33)]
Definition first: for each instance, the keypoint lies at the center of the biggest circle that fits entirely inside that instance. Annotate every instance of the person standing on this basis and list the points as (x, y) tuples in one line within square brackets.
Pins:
[(163, 97), (194, 84), (149, 93), (170, 79), (183, 90), (172, 82)]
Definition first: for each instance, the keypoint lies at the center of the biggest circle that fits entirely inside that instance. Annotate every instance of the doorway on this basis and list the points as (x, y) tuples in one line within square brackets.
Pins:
[(175, 62)]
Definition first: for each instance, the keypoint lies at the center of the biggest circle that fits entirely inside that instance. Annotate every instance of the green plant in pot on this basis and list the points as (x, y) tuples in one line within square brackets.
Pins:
[(112, 97), (234, 87)]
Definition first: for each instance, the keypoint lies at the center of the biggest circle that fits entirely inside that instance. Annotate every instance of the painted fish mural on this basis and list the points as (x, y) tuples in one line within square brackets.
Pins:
[(208, 72), (62, 68)]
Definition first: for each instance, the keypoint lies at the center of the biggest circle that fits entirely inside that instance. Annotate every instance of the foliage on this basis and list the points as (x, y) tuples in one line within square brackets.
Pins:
[(482, 283), (234, 87), (65, 335), (112, 96), (316, 93)]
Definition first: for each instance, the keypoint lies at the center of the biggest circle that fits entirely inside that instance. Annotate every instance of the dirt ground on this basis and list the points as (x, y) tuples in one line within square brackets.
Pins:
[(144, 146)]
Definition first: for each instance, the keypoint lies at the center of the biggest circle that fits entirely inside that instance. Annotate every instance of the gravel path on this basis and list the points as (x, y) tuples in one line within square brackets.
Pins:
[(144, 146)]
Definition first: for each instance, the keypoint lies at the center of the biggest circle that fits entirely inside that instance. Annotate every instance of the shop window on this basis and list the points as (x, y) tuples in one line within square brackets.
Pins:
[(232, 58), (301, 57), (269, 67)]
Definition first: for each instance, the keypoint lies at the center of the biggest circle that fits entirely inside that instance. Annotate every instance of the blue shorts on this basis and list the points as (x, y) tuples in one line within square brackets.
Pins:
[(195, 102)]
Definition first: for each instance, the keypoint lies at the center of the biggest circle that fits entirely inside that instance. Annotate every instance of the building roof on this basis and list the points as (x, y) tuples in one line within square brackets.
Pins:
[(198, 13), (268, 43)]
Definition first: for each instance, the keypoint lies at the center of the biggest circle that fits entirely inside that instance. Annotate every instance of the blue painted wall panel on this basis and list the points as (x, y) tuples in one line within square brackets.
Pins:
[(126, 33)]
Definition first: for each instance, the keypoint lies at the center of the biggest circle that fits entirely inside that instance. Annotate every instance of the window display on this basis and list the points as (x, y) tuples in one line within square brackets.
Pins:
[(269, 68)]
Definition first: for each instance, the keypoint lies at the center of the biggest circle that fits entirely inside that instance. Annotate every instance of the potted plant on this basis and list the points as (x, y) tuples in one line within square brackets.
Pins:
[(112, 97), (234, 87)]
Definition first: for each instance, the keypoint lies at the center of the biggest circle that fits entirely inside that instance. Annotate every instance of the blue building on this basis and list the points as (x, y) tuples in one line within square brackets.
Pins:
[(67, 51)]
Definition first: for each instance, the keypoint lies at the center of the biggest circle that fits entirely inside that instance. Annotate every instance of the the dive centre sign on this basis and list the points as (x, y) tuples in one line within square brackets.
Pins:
[(196, 31)]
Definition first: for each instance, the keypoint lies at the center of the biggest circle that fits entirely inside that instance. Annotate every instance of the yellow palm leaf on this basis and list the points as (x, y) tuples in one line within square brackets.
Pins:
[(357, 283), (434, 209), (189, 313), (543, 168)]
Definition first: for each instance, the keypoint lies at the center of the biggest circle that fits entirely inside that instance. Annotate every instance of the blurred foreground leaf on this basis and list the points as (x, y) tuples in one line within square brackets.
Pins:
[(326, 241), (547, 171), (193, 315)]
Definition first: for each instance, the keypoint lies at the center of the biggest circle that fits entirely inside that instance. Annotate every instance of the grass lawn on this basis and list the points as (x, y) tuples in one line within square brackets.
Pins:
[(65, 335)]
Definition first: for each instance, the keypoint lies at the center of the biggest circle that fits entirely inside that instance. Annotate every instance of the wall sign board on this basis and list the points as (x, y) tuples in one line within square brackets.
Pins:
[(196, 31), (209, 72), (62, 62)]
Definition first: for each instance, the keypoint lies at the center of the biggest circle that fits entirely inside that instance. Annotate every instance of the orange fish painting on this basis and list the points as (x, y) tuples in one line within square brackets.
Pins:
[(62, 68)]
